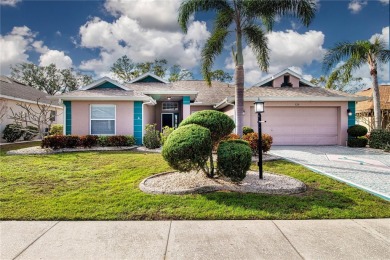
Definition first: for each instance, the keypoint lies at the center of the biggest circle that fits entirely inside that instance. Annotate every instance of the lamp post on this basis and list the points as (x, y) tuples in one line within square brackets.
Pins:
[(259, 108)]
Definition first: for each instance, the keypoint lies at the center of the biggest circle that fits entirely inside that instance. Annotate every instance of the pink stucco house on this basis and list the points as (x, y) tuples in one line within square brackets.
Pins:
[(296, 112)]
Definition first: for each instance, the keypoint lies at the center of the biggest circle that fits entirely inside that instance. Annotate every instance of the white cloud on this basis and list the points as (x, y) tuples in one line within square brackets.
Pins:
[(126, 36), (14, 47), (287, 49), (385, 2), (9, 2), (356, 6), (151, 14), (59, 58), (383, 36)]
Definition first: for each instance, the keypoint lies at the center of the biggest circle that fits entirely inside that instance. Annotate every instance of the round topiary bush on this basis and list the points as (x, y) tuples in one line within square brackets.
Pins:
[(247, 130), (357, 130), (357, 142), (234, 159), (12, 132), (219, 124), (188, 148)]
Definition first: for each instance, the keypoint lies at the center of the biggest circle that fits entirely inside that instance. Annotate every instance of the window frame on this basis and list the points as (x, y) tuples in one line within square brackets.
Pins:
[(101, 119), (170, 109)]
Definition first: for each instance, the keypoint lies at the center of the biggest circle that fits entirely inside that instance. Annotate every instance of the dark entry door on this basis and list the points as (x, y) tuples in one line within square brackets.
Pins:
[(167, 120)]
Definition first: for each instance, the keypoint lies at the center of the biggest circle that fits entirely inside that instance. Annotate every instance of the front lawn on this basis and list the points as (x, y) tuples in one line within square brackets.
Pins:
[(104, 186)]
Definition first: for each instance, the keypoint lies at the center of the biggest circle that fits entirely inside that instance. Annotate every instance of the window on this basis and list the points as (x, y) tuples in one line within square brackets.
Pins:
[(52, 116), (170, 106), (103, 119)]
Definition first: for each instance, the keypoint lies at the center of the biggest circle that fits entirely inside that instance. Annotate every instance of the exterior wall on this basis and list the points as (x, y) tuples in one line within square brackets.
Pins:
[(194, 109), (13, 104), (81, 117), (186, 107), (278, 81), (342, 116), (149, 114)]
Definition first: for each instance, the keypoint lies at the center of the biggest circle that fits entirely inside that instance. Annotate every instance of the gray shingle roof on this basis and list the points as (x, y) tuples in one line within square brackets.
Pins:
[(101, 93), (15, 89)]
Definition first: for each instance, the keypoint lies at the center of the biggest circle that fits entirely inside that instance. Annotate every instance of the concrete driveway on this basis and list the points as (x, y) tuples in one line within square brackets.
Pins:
[(364, 168)]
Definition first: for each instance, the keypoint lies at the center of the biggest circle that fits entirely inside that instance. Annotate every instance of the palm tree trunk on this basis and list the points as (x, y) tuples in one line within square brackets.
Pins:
[(239, 98), (376, 98)]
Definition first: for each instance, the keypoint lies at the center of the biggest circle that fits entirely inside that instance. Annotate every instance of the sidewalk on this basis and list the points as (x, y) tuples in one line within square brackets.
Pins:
[(239, 239)]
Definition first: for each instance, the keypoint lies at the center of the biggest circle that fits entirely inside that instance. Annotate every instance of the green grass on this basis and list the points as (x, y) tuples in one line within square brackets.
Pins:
[(104, 186)]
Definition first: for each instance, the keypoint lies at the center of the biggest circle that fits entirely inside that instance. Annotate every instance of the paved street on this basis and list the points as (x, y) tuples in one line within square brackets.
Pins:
[(253, 239), (367, 169)]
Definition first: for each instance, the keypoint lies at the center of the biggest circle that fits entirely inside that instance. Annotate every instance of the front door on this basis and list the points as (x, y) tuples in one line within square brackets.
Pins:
[(169, 119)]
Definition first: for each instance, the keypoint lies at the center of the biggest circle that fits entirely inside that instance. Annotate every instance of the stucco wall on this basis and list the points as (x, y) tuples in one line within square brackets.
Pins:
[(342, 116), (13, 104), (293, 80), (149, 114), (124, 116)]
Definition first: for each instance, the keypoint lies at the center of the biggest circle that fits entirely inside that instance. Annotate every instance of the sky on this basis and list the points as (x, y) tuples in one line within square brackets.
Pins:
[(91, 35)]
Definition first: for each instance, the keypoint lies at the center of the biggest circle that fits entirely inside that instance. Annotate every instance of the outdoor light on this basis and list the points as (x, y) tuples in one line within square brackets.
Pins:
[(169, 98), (259, 108), (349, 112)]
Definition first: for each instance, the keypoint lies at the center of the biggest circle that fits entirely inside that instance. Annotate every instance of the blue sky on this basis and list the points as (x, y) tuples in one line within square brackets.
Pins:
[(91, 35)]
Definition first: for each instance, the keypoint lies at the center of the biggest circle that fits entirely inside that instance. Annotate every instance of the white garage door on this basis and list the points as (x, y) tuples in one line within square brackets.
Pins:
[(299, 125)]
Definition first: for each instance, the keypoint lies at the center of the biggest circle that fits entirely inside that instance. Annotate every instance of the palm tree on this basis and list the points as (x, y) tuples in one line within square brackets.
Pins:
[(248, 19), (357, 54)]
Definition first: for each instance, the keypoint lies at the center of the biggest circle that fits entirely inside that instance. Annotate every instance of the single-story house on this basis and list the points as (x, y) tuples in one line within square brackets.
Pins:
[(296, 112), (13, 92), (365, 109)]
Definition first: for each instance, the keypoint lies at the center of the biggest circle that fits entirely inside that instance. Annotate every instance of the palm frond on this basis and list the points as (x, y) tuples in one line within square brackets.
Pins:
[(344, 72), (189, 7), (257, 40), (224, 19), (343, 50), (211, 49)]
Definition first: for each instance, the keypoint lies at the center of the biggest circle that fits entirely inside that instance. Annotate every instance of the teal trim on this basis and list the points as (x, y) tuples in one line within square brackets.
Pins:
[(138, 122), (352, 118), (149, 79), (68, 117), (186, 100), (106, 85)]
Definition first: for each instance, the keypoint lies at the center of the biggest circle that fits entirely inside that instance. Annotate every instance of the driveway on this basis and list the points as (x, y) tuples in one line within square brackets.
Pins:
[(363, 168)]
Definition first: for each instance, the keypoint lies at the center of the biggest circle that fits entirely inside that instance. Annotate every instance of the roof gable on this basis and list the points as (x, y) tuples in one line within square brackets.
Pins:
[(149, 77), (105, 83), (269, 81)]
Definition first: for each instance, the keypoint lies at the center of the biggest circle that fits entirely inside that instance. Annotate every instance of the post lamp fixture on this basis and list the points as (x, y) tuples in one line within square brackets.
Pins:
[(349, 112), (259, 108)]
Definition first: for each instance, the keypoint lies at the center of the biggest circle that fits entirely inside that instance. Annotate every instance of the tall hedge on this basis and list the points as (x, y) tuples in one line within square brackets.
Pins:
[(188, 148)]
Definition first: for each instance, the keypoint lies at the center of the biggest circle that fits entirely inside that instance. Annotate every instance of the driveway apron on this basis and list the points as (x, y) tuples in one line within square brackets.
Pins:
[(363, 168)]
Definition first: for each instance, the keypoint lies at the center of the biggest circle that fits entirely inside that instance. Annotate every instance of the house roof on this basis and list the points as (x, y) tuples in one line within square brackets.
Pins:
[(103, 94), (101, 81), (200, 92), (268, 81), (149, 75), (384, 92), (12, 89)]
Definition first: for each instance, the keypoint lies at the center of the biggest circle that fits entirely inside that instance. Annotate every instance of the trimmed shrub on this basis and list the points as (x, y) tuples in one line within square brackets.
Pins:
[(361, 141), (357, 130), (151, 137), (117, 140), (12, 132), (188, 148), (54, 142), (103, 140), (231, 136), (219, 124), (252, 139), (130, 140), (89, 140), (71, 141), (379, 138), (234, 159), (56, 129), (247, 130), (29, 133), (166, 131)]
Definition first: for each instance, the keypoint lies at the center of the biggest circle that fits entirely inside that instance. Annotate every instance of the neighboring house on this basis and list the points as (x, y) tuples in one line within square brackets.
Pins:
[(13, 92), (365, 109), (297, 112)]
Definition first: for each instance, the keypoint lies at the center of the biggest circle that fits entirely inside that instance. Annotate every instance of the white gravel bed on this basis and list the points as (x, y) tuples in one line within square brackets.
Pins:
[(39, 150), (196, 182)]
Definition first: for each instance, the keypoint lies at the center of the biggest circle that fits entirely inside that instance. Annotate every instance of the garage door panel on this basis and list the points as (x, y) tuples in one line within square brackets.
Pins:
[(300, 125)]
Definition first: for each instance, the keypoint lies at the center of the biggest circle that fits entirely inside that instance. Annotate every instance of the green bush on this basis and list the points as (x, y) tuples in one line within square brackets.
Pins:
[(247, 130), (151, 137), (252, 139), (166, 131), (71, 141), (360, 141), (30, 132), (103, 141), (56, 129), (12, 132), (54, 142), (117, 140), (130, 140), (89, 140), (234, 159), (379, 138), (357, 130), (188, 148), (219, 124), (231, 136)]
